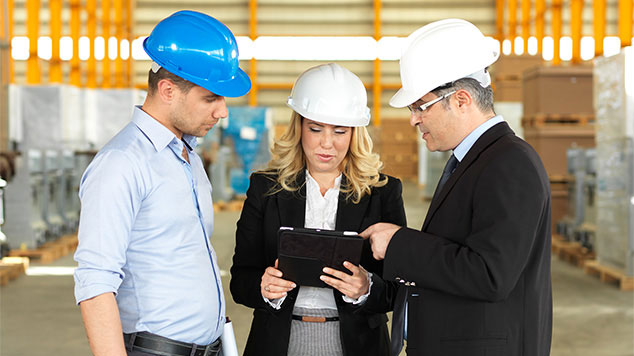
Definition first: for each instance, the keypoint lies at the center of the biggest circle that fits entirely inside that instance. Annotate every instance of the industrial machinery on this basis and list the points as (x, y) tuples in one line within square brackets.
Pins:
[(4, 245), (578, 224), (53, 215)]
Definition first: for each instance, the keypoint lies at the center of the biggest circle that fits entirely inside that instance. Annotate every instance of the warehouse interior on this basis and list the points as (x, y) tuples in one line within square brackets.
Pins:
[(71, 72)]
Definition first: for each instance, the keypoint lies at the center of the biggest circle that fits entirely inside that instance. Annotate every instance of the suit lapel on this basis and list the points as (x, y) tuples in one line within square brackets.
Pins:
[(350, 215), (487, 138), (292, 205)]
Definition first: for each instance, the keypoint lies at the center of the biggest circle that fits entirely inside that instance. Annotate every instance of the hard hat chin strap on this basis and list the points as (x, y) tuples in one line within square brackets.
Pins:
[(482, 76), (155, 67)]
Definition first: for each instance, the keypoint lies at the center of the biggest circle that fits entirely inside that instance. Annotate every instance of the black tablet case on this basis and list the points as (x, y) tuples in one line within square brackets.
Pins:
[(303, 253)]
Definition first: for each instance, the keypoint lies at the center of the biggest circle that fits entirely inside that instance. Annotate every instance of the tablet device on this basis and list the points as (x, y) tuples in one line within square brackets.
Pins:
[(303, 253)]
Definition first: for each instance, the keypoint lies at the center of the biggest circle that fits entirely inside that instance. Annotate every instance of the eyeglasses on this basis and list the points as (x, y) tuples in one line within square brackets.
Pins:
[(417, 109)]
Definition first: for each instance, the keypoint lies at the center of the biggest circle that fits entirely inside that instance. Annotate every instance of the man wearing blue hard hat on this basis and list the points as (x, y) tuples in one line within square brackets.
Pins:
[(148, 281)]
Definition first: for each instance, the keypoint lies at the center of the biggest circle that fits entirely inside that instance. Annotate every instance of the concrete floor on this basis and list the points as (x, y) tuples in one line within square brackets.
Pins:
[(38, 315)]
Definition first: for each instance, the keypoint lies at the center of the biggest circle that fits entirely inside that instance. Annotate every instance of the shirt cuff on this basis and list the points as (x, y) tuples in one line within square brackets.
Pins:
[(362, 298), (275, 303)]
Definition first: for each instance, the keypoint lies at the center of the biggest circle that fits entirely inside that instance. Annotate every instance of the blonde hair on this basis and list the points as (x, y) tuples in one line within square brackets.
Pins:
[(361, 167)]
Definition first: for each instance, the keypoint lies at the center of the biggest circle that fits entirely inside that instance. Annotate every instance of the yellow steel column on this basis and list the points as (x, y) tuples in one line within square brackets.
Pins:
[(499, 20), (91, 32), (75, 23), (526, 23), (625, 22), (576, 13), (599, 26), (33, 75), (512, 23), (540, 13), (118, 62), (10, 37), (556, 14), (105, 33), (129, 35), (253, 64), (55, 22), (376, 84), (4, 45)]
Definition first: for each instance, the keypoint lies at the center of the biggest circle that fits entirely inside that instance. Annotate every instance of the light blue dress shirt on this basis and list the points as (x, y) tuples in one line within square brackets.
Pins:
[(460, 152), (146, 221)]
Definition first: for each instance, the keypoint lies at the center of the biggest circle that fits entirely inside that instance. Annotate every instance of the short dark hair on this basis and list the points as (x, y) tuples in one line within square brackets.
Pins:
[(153, 78), (482, 96)]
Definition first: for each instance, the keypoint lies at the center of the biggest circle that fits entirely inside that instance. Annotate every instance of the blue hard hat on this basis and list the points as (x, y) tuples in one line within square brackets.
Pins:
[(200, 49)]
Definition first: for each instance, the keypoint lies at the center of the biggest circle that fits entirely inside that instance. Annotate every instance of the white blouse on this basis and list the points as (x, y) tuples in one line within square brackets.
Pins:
[(320, 213)]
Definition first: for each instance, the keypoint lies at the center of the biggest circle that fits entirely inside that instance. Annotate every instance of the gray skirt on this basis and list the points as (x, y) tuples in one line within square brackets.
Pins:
[(315, 339)]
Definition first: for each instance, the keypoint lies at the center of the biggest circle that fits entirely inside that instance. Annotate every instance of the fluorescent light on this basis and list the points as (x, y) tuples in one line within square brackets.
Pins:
[(390, 48), (565, 48), (112, 48), (519, 45), (506, 47), (137, 49), (315, 48), (20, 48), (611, 46), (99, 52), (532, 45), (84, 48), (44, 47), (124, 49), (548, 48), (245, 47), (66, 48), (587, 48)]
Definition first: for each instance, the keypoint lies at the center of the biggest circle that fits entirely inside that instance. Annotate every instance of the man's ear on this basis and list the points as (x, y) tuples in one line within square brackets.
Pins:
[(463, 98), (165, 90)]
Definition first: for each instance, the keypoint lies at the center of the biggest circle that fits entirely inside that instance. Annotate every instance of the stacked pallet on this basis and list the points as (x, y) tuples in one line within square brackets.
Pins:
[(397, 143), (558, 114), (49, 251), (11, 268)]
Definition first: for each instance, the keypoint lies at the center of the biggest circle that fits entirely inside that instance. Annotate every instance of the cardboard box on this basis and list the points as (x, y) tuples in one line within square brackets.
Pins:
[(397, 131), (400, 165), (557, 90), (507, 90), (511, 67), (551, 143)]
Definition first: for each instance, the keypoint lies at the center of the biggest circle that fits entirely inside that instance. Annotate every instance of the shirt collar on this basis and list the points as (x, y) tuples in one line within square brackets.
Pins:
[(463, 148), (310, 181), (159, 135)]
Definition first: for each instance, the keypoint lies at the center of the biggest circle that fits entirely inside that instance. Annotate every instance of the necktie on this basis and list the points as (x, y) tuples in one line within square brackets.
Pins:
[(398, 320), (446, 173)]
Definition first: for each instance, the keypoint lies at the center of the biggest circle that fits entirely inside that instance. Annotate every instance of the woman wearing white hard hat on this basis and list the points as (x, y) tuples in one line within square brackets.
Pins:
[(323, 175)]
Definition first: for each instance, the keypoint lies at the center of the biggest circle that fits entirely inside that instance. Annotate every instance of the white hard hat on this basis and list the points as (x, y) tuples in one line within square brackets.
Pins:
[(439, 53), (330, 94)]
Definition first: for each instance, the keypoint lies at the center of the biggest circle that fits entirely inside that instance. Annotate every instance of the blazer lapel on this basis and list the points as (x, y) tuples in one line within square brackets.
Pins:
[(350, 215), (487, 138), (292, 205)]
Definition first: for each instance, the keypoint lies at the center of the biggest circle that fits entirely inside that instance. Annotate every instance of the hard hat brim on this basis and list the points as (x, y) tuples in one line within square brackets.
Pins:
[(402, 98), (239, 85), (331, 120)]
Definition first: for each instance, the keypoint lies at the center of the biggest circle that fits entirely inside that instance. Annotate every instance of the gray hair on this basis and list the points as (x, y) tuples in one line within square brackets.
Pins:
[(482, 96)]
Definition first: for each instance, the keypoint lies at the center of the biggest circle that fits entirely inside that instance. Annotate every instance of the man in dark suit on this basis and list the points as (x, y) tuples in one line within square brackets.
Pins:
[(475, 280)]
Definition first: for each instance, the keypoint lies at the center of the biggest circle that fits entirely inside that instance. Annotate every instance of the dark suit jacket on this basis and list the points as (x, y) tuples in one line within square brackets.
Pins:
[(363, 328), (481, 262)]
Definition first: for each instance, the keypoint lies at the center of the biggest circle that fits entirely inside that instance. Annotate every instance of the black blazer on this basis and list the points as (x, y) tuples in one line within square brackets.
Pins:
[(363, 328), (481, 262)]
